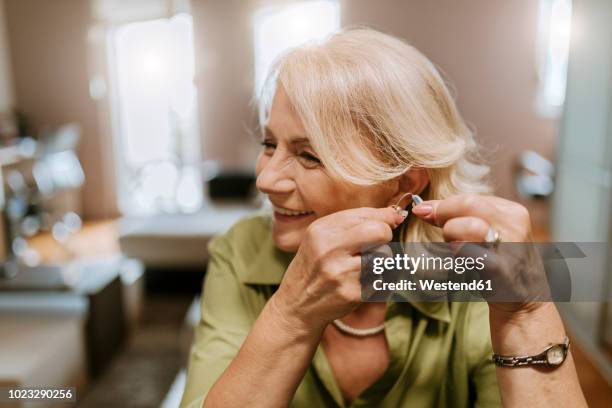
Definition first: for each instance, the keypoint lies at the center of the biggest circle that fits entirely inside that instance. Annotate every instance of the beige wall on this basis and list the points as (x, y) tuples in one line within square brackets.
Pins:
[(224, 76), (6, 89), (48, 42), (486, 48)]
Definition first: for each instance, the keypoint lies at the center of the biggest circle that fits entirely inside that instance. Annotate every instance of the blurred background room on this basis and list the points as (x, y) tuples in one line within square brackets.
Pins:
[(127, 141)]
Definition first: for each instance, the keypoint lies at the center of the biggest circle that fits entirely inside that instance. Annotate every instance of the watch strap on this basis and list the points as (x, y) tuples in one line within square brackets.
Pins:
[(538, 359)]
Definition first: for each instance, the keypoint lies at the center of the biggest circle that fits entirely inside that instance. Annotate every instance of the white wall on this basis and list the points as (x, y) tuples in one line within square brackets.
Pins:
[(582, 206)]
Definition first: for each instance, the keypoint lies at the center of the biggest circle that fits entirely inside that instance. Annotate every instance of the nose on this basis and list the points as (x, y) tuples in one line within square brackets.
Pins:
[(275, 176)]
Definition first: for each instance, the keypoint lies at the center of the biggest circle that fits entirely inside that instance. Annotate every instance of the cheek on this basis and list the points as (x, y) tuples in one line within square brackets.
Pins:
[(262, 159), (322, 194), (340, 196)]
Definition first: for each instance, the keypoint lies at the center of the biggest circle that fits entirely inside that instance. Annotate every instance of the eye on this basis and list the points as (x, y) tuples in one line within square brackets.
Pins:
[(309, 160), (268, 146)]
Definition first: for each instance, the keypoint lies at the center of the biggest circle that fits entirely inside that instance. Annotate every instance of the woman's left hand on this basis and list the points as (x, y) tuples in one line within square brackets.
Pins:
[(468, 217), (521, 327), (515, 268)]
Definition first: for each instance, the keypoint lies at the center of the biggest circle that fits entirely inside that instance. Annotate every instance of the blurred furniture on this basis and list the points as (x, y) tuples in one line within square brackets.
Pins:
[(99, 284), (41, 182), (39, 185), (192, 317), (43, 345), (533, 175), (175, 394), (95, 240), (90, 272), (9, 155), (177, 241), (230, 185)]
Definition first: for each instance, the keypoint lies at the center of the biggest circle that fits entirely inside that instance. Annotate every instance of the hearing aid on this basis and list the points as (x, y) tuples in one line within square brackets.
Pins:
[(415, 198), (404, 212)]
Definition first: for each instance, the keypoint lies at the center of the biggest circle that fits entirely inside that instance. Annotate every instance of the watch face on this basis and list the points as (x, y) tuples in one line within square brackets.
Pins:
[(555, 355)]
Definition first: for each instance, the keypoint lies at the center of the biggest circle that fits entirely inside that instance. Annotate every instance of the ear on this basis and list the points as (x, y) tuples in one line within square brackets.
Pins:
[(413, 181)]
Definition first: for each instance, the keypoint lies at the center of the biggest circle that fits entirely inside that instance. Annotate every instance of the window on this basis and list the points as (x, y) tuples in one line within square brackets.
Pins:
[(553, 49), (279, 28), (155, 124)]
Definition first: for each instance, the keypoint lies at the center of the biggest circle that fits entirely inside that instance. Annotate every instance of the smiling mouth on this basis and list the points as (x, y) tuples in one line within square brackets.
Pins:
[(291, 213)]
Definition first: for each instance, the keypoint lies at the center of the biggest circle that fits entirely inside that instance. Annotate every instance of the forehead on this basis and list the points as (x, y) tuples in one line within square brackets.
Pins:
[(284, 120)]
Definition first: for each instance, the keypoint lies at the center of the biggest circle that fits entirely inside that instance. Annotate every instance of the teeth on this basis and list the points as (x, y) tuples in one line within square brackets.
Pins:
[(284, 211)]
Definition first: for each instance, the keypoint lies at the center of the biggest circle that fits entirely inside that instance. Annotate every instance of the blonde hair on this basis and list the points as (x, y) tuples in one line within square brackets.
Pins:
[(373, 107)]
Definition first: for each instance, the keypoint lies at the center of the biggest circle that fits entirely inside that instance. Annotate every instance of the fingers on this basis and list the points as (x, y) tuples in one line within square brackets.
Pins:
[(355, 216), (351, 231), (367, 234), (438, 212), (341, 266), (466, 229)]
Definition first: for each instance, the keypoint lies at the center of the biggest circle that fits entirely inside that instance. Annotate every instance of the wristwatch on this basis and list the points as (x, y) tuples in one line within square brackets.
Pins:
[(552, 356)]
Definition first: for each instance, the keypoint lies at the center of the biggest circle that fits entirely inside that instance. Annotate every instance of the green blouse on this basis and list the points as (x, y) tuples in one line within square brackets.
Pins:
[(440, 353)]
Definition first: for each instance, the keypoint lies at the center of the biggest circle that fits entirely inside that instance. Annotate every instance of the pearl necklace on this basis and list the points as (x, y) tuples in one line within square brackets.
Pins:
[(353, 331)]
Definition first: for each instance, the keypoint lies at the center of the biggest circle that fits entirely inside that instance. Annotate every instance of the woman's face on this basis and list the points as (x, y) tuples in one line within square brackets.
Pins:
[(299, 187)]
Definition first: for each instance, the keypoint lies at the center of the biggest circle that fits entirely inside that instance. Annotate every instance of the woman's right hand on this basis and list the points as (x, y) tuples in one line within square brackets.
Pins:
[(322, 283)]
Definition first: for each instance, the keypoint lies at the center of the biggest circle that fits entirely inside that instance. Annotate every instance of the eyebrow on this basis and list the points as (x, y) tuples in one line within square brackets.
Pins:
[(292, 140)]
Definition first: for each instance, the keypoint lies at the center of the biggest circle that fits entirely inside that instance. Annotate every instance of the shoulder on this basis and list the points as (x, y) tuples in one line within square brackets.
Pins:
[(249, 251), (245, 238)]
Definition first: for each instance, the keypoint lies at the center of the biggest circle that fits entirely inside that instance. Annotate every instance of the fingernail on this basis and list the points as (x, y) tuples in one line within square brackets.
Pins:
[(399, 219), (400, 211), (423, 209)]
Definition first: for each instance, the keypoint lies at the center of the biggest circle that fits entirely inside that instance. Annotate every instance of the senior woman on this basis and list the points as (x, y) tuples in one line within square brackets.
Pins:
[(350, 126)]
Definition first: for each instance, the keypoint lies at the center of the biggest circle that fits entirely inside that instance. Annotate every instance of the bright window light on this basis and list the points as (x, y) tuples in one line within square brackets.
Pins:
[(279, 28), (155, 116), (554, 40)]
